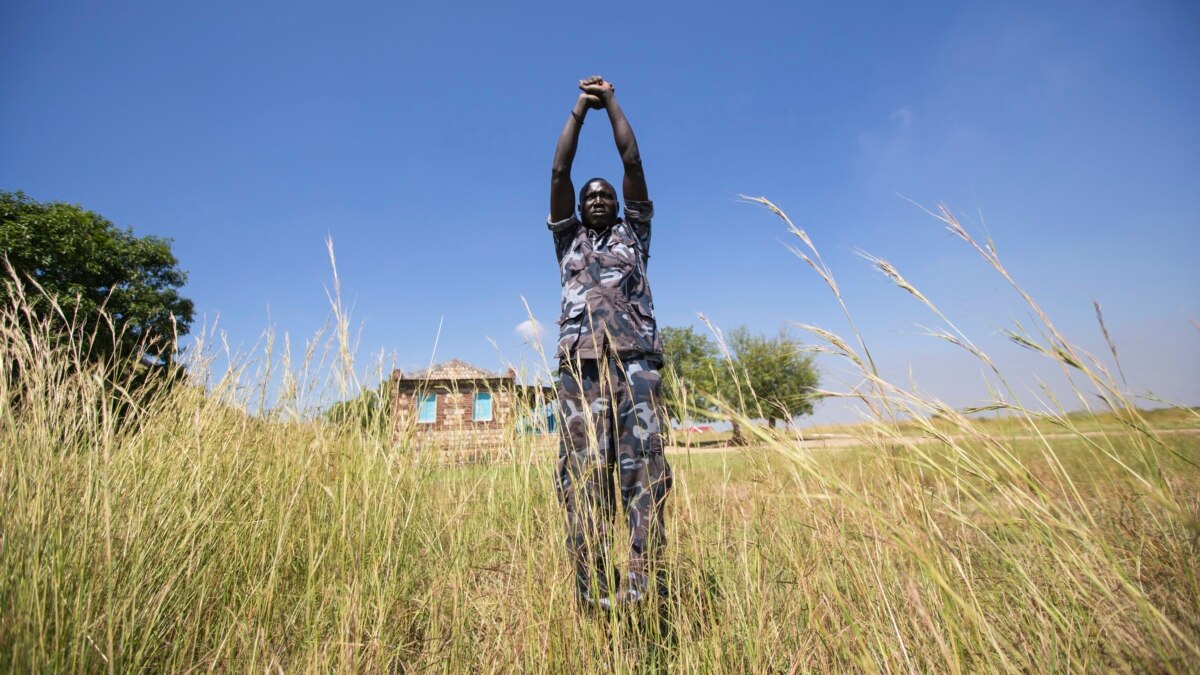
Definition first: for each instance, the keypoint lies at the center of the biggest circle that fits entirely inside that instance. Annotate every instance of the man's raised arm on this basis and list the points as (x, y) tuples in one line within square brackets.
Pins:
[(633, 185), (562, 190)]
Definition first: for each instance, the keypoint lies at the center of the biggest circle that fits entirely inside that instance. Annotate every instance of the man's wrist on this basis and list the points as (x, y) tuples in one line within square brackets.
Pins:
[(580, 110)]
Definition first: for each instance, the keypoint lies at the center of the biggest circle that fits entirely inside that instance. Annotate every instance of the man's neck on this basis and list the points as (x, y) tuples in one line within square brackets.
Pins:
[(599, 232)]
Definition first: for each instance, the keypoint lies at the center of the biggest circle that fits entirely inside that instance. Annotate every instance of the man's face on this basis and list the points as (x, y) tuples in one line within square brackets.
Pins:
[(599, 206)]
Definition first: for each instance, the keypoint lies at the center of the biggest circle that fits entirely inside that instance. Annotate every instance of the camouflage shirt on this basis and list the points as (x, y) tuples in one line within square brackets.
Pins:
[(606, 301)]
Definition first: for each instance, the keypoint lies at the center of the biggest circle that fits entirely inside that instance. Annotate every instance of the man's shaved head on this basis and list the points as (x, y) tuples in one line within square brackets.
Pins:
[(596, 183)]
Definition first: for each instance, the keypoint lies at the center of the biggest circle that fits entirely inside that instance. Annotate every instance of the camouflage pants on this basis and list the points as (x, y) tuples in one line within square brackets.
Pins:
[(610, 423)]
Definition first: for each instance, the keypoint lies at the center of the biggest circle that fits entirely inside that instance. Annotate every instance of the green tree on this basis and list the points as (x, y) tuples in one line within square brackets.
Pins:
[(691, 373), (773, 378), (371, 410), (118, 293)]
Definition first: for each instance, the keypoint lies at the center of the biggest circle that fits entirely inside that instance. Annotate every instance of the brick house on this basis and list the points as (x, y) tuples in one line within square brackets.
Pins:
[(462, 408)]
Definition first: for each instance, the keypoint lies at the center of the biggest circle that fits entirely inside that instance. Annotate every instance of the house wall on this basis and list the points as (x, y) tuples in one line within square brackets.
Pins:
[(454, 429)]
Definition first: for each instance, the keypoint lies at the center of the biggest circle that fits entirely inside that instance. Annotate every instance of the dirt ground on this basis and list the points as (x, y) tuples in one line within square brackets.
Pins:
[(842, 441)]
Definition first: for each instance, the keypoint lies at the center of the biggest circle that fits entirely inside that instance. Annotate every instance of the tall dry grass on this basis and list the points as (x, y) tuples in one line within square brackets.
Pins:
[(221, 526)]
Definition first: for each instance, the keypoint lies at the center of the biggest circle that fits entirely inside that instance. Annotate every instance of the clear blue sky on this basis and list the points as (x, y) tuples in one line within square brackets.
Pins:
[(419, 136)]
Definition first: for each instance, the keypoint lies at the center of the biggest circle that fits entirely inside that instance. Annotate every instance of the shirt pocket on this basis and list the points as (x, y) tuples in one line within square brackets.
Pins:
[(643, 308), (575, 287), (572, 265), (620, 262), (570, 311)]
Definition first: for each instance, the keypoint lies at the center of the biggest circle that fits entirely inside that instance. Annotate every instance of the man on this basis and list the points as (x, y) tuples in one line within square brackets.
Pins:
[(609, 354)]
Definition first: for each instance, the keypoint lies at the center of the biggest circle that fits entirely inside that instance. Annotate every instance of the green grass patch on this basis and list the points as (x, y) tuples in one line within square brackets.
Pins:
[(169, 531)]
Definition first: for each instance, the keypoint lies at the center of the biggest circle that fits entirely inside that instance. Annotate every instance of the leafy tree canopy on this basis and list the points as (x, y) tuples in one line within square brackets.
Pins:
[(765, 377), (777, 379), (691, 373), (92, 268), (370, 409)]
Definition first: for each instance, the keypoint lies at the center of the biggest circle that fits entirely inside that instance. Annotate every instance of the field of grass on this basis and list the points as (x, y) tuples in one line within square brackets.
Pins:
[(177, 533), (1162, 419)]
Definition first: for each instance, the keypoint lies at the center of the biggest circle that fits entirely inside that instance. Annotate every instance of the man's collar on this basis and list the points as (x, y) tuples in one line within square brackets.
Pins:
[(597, 235)]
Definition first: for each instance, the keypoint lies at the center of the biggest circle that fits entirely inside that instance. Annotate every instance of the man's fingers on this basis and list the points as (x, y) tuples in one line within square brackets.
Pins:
[(597, 88)]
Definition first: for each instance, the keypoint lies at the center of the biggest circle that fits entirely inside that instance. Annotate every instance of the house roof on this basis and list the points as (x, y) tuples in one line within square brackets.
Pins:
[(454, 369)]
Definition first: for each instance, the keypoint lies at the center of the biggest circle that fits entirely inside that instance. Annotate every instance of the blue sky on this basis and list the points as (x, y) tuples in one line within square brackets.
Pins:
[(419, 137)]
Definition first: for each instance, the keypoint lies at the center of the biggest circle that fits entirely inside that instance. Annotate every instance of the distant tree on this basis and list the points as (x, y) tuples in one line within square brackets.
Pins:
[(774, 379), (691, 373), (371, 410), (763, 377), (119, 293)]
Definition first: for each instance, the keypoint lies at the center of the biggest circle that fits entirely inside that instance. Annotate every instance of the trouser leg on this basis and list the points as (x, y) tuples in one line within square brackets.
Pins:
[(643, 474), (585, 485)]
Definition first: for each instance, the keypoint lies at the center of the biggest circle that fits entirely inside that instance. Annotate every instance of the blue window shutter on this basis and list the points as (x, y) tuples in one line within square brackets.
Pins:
[(483, 407), (427, 408)]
